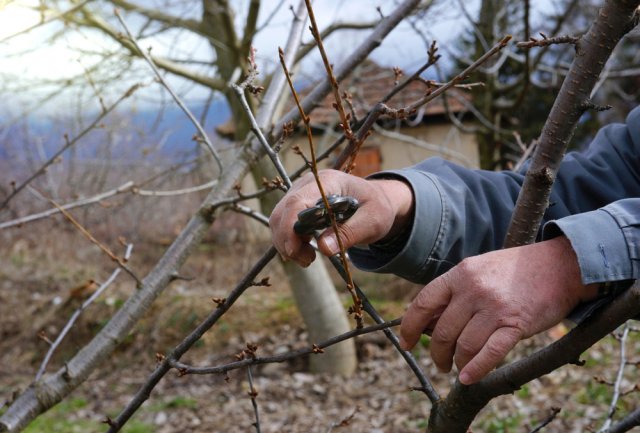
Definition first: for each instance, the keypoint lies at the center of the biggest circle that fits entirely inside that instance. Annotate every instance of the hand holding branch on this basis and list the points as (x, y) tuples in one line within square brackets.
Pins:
[(480, 309)]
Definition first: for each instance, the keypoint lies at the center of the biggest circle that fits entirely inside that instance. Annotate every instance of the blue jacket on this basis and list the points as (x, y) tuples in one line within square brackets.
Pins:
[(459, 212)]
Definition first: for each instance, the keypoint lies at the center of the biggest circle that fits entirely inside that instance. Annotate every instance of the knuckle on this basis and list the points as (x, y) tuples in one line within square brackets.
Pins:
[(496, 350), (466, 348), (442, 335)]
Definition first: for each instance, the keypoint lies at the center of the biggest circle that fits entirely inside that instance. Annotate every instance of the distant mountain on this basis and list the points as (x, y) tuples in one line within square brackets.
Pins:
[(129, 133)]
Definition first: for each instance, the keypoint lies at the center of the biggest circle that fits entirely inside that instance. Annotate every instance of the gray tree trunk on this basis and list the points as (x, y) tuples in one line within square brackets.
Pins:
[(324, 316), (316, 298)]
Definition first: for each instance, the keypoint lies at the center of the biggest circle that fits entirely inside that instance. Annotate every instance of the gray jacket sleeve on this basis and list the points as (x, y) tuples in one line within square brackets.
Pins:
[(460, 212)]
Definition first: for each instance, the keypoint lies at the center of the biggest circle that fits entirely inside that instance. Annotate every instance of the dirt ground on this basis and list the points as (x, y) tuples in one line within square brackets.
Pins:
[(39, 289)]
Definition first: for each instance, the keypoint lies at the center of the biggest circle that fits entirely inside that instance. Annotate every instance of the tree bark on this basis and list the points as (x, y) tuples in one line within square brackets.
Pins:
[(615, 19)]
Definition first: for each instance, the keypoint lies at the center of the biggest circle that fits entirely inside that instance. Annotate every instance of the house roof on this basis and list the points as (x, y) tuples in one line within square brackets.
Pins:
[(368, 84)]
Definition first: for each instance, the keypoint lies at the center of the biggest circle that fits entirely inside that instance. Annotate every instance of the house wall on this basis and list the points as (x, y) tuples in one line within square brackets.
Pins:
[(404, 148)]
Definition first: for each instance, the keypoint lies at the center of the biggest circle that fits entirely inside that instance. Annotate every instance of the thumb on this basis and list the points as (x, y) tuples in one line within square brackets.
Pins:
[(328, 242)]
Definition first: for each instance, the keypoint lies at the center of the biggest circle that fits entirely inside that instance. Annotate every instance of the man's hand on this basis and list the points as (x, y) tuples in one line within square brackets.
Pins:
[(385, 206), (480, 309)]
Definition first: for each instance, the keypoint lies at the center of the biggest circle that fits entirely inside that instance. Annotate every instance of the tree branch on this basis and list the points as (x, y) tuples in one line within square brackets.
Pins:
[(169, 66), (160, 16), (225, 368), (76, 314), (593, 50), (53, 388), (455, 413), (183, 107), (69, 143)]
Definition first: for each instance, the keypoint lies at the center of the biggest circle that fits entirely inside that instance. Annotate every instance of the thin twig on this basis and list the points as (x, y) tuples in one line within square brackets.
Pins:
[(125, 187), (425, 385), (76, 314), (100, 245), (275, 159), (357, 302), (176, 98), (381, 108), (174, 192), (344, 119), (345, 421), (554, 412), (46, 20), (246, 210), (616, 387), (165, 365), (253, 393), (314, 349), (545, 41), (69, 143)]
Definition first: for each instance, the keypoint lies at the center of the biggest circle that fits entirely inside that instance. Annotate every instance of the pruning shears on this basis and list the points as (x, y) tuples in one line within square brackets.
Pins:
[(317, 217)]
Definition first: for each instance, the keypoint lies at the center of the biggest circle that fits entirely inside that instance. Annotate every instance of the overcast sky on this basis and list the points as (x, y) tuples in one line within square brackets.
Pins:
[(33, 56)]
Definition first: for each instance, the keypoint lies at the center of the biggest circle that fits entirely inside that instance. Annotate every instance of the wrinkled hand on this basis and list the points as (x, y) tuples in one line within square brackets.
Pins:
[(385, 205), (481, 308)]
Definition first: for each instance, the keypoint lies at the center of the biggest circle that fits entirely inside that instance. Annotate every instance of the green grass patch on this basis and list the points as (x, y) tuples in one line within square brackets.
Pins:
[(59, 419)]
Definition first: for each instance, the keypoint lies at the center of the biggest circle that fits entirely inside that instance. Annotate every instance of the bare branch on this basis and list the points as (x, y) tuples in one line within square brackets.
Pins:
[(166, 364), (125, 187), (255, 128), (253, 393), (174, 192), (53, 17), (176, 98), (627, 423), (554, 413), (545, 41), (332, 28), (76, 314), (381, 108), (616, 388), (100, 245), (246, 210), (357, 302), (221, 369), (594, 49), (69, 143)]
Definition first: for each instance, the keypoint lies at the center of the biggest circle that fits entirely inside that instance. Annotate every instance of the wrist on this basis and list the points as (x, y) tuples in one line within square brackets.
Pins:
[(399, 195)]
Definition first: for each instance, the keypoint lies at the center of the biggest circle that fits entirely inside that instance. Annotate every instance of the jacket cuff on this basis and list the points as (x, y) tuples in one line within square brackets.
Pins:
[(409, 261), (599, 243)]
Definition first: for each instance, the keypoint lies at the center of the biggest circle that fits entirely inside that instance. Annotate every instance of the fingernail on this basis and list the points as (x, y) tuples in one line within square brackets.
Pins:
[(331, 244), (465, 378)]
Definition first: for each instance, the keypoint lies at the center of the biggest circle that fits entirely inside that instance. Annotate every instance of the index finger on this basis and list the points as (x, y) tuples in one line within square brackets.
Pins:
[(429, 303)]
